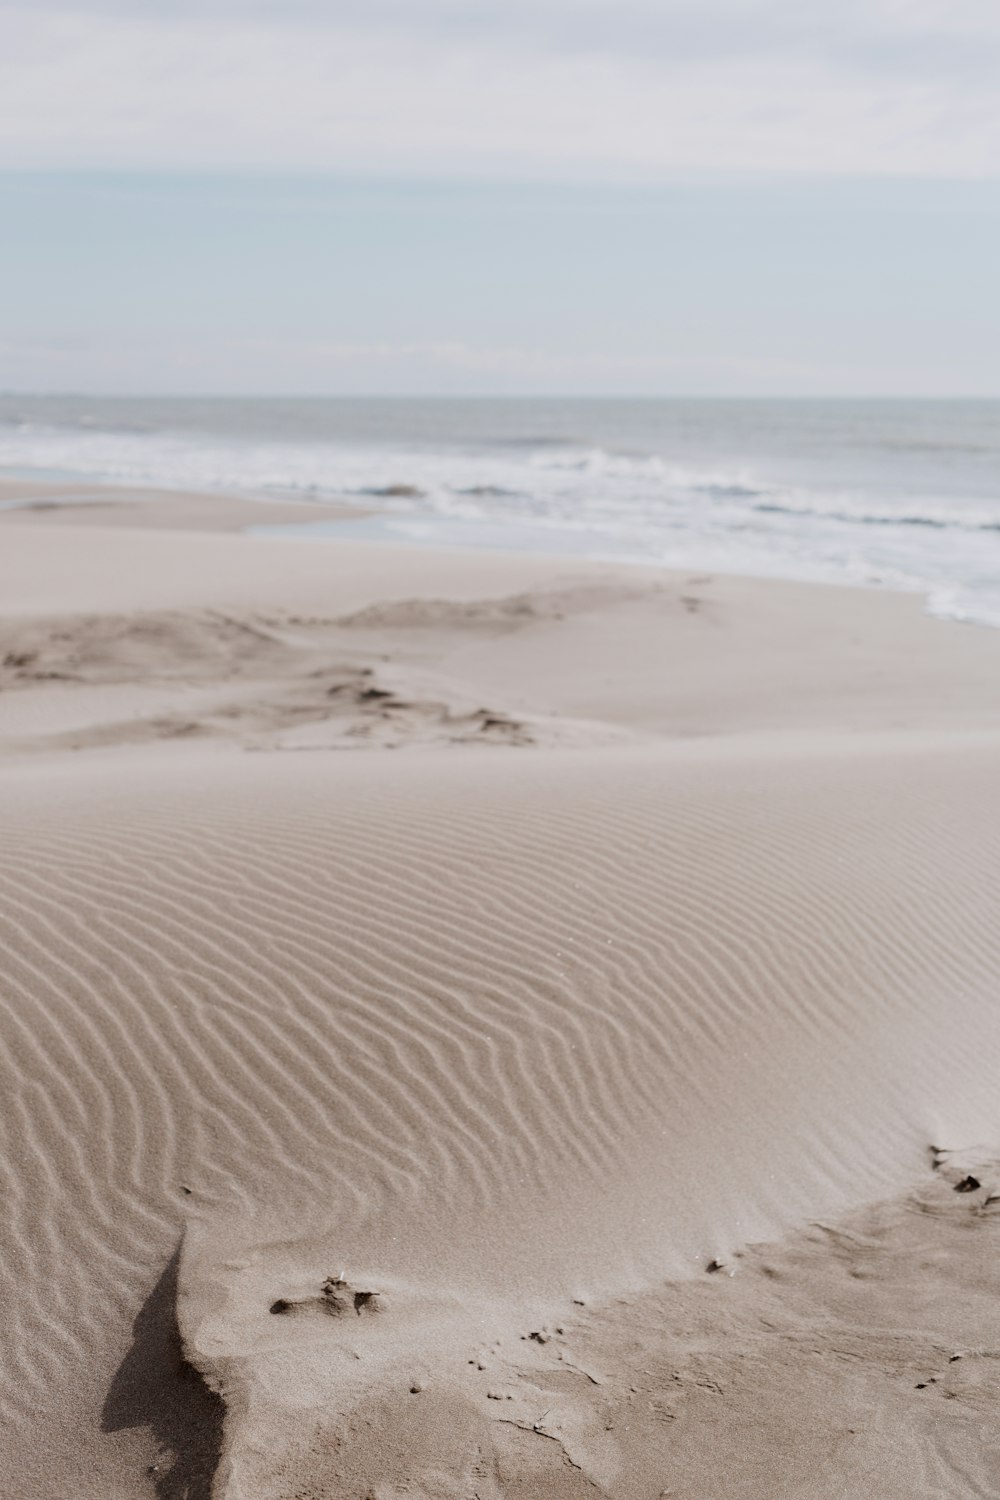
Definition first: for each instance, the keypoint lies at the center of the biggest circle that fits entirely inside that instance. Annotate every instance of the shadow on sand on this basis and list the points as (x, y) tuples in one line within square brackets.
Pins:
[(155, 1387)]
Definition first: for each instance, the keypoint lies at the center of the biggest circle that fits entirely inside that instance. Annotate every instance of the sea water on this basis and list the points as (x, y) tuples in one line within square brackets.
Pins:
[(904, 494)]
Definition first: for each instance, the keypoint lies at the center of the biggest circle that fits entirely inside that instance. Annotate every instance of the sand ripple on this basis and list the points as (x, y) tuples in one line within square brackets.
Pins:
[(520, 1032)]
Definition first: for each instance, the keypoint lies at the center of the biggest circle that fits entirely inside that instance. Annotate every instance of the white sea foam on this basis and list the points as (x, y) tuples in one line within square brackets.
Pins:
[(913, 507)]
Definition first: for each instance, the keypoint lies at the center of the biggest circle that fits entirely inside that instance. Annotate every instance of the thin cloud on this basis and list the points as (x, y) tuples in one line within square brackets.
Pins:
[(276, 366), (432, 87)]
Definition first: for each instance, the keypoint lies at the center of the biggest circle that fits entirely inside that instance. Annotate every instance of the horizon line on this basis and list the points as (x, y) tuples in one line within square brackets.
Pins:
[(108, 395)]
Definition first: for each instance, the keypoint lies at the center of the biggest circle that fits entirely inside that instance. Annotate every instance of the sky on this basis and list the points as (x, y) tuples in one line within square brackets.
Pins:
[(723, 197)]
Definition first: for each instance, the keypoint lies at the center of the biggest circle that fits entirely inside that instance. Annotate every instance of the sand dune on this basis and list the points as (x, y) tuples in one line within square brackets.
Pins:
[(525, 1036), (511, 1043)]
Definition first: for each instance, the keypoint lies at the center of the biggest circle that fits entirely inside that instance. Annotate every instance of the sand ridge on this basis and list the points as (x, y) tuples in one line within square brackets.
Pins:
[(275, 681)]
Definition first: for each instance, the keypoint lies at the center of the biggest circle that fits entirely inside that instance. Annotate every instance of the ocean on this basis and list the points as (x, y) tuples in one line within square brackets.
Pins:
[(900, 494)]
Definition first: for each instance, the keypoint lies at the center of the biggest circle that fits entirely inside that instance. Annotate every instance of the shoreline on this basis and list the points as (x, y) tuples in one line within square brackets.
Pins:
[(103, 503)]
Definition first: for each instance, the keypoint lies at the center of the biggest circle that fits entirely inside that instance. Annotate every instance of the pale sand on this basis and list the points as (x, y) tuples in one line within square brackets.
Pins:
[(77, 504), (667, 928)]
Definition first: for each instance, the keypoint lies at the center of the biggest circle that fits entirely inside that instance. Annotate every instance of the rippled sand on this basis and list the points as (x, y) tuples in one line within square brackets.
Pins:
[(425, 979)]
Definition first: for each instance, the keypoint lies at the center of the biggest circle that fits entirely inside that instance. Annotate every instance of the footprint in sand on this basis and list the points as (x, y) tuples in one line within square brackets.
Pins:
[(337, 1299)]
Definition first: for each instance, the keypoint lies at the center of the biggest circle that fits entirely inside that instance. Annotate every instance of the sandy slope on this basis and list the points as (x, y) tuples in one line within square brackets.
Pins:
[(671, 928)]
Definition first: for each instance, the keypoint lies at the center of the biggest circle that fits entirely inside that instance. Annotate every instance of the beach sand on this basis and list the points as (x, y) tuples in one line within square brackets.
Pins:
[(481, 1025), (72, 503)]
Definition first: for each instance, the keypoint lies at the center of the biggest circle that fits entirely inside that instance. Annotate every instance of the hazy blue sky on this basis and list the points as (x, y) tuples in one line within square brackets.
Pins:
[(723, 197)]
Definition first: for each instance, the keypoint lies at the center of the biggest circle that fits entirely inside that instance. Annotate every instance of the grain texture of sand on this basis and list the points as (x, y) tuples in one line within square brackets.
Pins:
[(480, 1025)]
